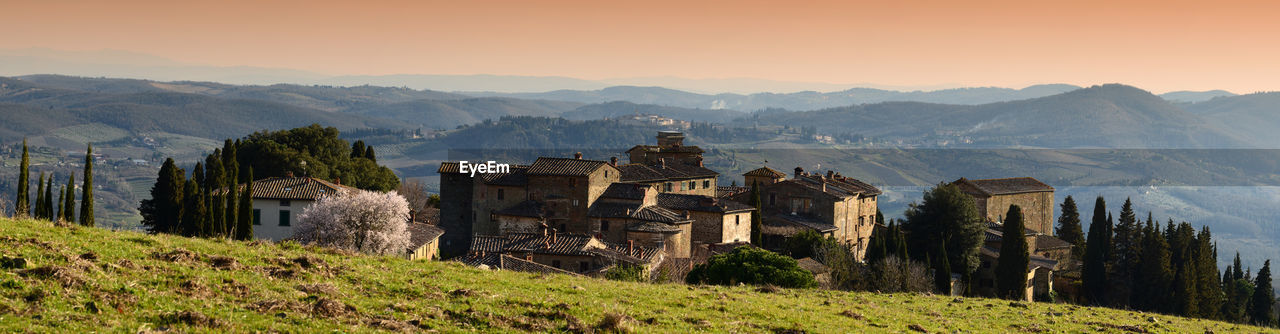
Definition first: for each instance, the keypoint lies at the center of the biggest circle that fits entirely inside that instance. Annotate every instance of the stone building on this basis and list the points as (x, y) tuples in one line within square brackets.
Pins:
[(277, 202), (663, 200), (574, 253), (994, 196), (830, 204), (1048, 255), (424, 241)]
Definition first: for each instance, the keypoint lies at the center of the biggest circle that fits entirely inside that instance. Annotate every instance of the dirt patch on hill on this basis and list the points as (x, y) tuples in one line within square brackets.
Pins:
[(176, 255), (223, 263), (191, 318), (325, 289), (329, 308), (67, 276)]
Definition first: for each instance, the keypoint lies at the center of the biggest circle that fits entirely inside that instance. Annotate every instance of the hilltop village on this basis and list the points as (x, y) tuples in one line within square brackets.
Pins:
[(664, 210)]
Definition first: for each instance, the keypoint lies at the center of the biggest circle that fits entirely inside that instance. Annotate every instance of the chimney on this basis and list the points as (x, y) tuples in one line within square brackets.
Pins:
[(553, 235), (577, 155), (528, 257), (613, 161), (631, 247), (662, 163), (686, 214), (799, 172), (699, 161), (830, 173), (288, 174), (337, 180)]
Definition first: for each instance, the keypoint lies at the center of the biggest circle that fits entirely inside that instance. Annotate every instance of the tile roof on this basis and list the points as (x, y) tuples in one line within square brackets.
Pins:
[(449, 167), (529, 208), (728, 191), (635, 211), (1013, 185), (559, 244), (840, 185), (624, 191), (516, 177), (422, 234), (612, 210), (294, 188), (653, 227), (1045, 241), (660, 214), (634, 254), (636, 172), (666, 149), (1035, 261), (488, 243), (800, 221), (765, 171), (678, 202), (508, 262), (565, 166)]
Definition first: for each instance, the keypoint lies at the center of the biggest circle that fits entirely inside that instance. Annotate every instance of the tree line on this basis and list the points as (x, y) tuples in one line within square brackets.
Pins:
[(44, 207)]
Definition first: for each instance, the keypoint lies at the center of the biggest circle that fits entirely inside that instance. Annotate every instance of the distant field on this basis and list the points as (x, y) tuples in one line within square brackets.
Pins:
[(90, 133)]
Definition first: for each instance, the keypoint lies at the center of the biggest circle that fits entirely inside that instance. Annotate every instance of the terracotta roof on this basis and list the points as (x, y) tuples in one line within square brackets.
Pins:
[(612, 210), (508, 262), (727, 191), (800, 221), (529, 208), (653, 227), (636, 254), (476, 259), (660, 214), (294, 188), (667, 149), (635, 211), (638, 173), (559, 244), (840, 185), (422, 234), (624, 191), (678, 202), (565, 166), (488, 243), (765, 171), (1035, 261), (1013, 185)]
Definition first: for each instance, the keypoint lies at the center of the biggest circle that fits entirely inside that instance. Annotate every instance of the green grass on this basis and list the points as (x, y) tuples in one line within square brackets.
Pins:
[(85, 279), (93, 132)]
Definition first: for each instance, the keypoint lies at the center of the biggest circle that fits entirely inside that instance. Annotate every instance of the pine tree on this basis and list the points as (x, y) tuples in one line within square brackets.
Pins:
[(86, 193), (1125, 253), (39, 205), (1156, 274), (1262, 302), (368, 154), (942, 271), (1069, 228), (756, 216), (1208, 286), (69, 207), (244, 219), (193, 210), (357, 149), (1238, 273), (48, 199), (1184, 292), (1094, 271), (1011, 269), (22, 203)]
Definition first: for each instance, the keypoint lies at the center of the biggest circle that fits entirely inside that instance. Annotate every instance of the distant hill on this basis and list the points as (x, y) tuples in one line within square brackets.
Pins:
[(620, 108), (1255, 117), (792, 101), (1191, 96), (1101, 116), (447, 114)]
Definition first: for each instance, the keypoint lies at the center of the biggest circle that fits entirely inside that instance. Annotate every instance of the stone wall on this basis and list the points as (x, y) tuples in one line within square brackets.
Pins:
[(456, 214), (1037, 209)]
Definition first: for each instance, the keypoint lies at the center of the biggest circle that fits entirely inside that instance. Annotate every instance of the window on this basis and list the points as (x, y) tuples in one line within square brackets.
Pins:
[(737, 220), (575, 202), (682, 186), (284, 217), (666, 186), (706, 183), (555, 263), (604, 225), (693, 185), (284, 202), (501, 195), (257, 217), (773, 199)]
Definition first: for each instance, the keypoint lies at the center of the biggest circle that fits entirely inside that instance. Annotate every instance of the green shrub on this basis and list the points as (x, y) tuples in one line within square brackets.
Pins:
[(751, 265), (625, 272)]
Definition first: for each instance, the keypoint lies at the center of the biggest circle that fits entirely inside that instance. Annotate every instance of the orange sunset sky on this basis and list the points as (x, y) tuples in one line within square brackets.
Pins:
[(1156, 45)]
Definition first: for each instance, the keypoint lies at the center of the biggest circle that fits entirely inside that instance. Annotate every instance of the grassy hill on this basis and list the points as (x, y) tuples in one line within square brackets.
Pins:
[(73, 279)]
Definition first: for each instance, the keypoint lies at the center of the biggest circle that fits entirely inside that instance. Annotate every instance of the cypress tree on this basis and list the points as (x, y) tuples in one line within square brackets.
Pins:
[(1184, 292), (1094, 269), (39, 206), (1156, 273), (163, 212), (193, 210), (1238, 273), (62, 193), (232, 170), (756, 216), (1261, 304), (86, 199), (244, 220), (1208, 286), (214, 180), (1069, 228), (357, 149), (942, 271), (69, 207), (368, 154), (22, 203), (48, 198), (1125, 255), (1011, 269)]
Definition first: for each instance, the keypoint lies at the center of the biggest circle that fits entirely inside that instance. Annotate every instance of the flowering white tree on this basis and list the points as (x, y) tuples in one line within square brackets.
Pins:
[(359, 220)]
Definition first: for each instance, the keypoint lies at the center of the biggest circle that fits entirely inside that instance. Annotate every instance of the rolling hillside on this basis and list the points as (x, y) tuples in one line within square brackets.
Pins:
[(1255, 117), (73, 279)]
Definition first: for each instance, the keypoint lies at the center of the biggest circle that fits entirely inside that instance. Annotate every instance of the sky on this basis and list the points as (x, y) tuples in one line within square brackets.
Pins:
[(1156, 45)]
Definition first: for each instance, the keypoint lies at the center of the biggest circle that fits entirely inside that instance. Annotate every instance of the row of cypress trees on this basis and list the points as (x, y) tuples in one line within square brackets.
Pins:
[(208, 204), (1172, 270), (44, 207)]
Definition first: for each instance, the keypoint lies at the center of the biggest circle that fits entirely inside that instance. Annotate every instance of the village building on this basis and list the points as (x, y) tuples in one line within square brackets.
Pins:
[(1048, 255), (664, 199), (424, 241), (830, 204), (277, 202), (993, 197), (575, 253)]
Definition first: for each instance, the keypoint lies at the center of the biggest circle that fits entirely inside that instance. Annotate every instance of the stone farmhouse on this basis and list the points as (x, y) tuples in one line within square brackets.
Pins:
[(830, 204), (994, 196), (663, 199)]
